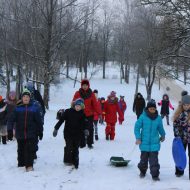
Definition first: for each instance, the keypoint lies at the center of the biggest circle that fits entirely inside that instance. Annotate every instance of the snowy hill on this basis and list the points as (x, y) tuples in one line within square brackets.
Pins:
[(94, 170)]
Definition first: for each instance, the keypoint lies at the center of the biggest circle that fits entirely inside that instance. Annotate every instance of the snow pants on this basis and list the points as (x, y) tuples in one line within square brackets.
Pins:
[(95, 122), (110, 130), (26, 150), (167, 118), (179, 172), (90, 127), (152, 158), (71, 151)]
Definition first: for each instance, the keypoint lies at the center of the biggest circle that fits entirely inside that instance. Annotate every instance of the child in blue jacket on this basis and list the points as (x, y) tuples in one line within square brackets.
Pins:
[(149, 132)]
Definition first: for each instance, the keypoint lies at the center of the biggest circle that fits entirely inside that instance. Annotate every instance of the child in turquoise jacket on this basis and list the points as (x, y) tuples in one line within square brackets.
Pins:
[(149, 132)]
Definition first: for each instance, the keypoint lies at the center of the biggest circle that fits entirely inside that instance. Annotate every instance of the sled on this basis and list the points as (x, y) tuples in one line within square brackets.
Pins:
[(179, 155), (118, 161)]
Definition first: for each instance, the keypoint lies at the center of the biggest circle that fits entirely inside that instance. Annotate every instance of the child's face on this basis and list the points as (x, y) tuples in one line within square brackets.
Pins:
[(78, 107), (186, 107), (85, 87), (165, 97), (152, 110), (26, 99)]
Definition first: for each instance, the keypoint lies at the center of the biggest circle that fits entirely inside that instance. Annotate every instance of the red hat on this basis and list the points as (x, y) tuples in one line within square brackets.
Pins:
[(1, 98), (85, 81)]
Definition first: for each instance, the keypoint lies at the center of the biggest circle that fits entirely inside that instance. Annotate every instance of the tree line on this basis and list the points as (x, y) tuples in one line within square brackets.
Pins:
[(41, 39)]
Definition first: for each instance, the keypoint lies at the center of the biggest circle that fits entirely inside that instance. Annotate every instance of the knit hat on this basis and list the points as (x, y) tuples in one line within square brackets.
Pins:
[(183, 93), (112, 94), (1, 98), (26, 92), (185, 99), (122, 97), (151, 104), (30, 86), (95, 91), (79, 102), (85, 81)]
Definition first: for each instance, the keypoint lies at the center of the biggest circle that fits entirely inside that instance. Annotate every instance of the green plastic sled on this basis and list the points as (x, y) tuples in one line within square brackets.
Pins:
[(118, 161)]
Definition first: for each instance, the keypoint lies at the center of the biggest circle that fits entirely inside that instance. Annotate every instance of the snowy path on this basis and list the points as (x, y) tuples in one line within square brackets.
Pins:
[(94, 170)]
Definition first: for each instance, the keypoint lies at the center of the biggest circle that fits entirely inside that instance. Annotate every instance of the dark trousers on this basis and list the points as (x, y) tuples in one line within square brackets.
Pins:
[(4, 139), (71, 151), (152, 158), (167, 118), (26, 149), (95, 127), (90, 127), (10, 135), (180, 172)]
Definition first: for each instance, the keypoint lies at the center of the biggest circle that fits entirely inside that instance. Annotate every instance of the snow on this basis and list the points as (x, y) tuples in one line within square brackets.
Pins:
[(94, 170)]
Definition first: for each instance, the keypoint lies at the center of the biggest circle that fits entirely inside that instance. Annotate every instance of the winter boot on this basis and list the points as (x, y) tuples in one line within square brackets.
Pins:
[(96, 137), (90, 146), (4, 139), (156, 178), (29, 169), (142, 175), (107, 137)]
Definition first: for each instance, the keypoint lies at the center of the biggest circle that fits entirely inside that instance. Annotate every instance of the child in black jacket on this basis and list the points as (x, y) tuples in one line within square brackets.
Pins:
[(75, 122)]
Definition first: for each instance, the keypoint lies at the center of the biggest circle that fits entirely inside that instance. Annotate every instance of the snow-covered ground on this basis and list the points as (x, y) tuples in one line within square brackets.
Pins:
[(95, 171)]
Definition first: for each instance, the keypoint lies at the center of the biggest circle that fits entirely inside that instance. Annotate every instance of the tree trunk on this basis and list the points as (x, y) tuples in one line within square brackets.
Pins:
[(67, 67), (137, 81), (185, 74)]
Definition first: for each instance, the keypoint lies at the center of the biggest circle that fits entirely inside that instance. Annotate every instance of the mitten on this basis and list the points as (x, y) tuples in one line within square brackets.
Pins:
[(162, 139), (40, 136), (138, 141), (55, 132)]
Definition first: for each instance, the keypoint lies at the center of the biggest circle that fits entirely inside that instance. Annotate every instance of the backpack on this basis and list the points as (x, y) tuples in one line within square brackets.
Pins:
[(60, 114)]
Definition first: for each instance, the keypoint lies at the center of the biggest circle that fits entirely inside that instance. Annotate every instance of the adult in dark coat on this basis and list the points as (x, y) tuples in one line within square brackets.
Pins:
[(139, 105), (75, 126), (165, 105)]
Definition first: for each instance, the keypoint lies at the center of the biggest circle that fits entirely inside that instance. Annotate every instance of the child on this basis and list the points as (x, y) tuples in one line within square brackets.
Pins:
[(102, 119), (75, 127), (11, 104), (148, 129), (111, 109), (138, 104), (28, 125), (96, 116), (3, 120), (165, 105), (122, 106), (181, 126)]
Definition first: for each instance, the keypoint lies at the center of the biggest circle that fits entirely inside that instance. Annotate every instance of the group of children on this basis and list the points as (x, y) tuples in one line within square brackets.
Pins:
[(81, 121)]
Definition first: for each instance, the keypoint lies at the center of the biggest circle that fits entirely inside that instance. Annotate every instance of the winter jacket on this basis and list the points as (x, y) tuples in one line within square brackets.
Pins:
[(149, 130), (11, 105), (75, 123), (165, 105), (38, 97), (28, 121), (182, 127), (96, 114), (111, 110), (139, 104), (3, 112), (90, 101), (122, 105)]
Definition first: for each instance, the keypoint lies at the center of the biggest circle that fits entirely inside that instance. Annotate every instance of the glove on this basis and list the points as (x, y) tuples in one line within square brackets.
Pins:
[(172, 108), (86, 132), (162, 139), (159, 103), (138, 141), (55, 132), (40, 136)]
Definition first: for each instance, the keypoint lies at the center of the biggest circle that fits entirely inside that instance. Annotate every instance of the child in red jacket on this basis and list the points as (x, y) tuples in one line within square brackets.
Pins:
[(111, 109), (102, 102), (122, 106), (96, 116)]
